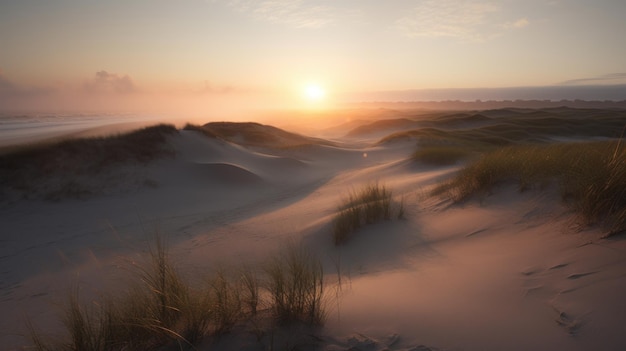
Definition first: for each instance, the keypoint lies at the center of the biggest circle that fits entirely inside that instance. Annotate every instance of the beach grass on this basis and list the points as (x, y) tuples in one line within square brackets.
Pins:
[(31, 170), (591, 177), (370, 204), (295, 282), (163, 310), (489, 130), (441, 155)]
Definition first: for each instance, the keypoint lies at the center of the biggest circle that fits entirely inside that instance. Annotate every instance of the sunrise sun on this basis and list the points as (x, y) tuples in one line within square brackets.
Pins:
[(314, 92)]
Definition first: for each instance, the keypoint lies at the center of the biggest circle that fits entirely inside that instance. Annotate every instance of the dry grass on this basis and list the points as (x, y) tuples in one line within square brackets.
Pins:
[(33, 169), (497, 128), (256, 135), (296, 286), (441, 155), (250, 289), (370, 204), (162, 310), (207, 132), (590, 175), (226, 302)]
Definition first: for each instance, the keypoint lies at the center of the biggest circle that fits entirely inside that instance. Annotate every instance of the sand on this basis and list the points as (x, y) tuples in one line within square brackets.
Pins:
[(509, 271)]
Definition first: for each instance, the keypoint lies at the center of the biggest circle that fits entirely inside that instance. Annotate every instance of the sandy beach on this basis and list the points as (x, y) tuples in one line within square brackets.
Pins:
[(506, 270)]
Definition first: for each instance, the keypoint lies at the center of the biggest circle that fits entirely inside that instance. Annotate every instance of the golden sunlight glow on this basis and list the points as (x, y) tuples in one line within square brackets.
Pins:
[(314, 92)]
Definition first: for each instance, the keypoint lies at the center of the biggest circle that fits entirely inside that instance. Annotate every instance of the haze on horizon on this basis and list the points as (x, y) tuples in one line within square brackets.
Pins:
[(199, 57)]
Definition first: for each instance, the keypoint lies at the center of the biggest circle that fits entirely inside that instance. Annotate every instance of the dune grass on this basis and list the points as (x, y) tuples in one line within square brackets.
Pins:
[(296, 286), (253, 134), (196, 128), (591, 176), (368, 205), (32, 169), (480, 132), (163, 310), (441, 155)]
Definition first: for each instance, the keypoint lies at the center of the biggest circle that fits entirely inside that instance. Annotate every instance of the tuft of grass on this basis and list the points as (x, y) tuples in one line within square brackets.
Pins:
[(250, 289), (370, 204), (296, 286), (591, 176), (38, 342), (160, 307), (440, 155), (196, 315), (166, 284), (82, 323), (227, 306)]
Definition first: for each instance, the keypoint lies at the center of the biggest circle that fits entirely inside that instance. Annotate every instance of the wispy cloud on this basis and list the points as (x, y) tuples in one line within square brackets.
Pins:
[(105, 82), (446, 18), (520, 23), (295, 13), (619, 78), (472, 20)]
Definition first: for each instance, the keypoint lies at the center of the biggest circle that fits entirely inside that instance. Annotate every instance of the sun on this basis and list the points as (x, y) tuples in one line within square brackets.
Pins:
[(314, 92)]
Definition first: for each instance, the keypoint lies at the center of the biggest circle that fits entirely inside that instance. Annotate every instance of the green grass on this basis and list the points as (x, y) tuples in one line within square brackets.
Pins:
[(162, 310), (370, 204), (591, 177)]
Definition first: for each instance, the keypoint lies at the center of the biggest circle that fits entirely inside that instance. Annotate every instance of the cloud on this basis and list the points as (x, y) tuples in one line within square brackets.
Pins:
[(619, 78), (105, 82), (294, 13), (446, 18), (471, 20), (520, 23)]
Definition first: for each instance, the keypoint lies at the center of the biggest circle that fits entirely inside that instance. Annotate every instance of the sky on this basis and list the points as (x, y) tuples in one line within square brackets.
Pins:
[(197, 56)]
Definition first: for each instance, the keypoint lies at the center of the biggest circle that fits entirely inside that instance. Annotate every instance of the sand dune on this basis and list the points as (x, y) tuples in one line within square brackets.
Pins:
[(505, 271)]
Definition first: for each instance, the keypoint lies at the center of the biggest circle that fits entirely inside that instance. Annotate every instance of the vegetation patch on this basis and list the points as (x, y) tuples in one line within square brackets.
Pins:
[(497, 128), (591, 176), (162, 310), (441, 155), (256, 135), (370, 204), (196, 128), (29, 169), (296, 287)]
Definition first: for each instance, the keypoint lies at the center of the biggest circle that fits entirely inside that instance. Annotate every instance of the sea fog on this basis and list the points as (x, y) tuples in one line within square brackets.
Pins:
[(20, 128)]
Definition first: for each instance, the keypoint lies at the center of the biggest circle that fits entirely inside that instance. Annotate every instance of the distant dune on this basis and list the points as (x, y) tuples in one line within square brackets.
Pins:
[(501, 127), (256, 134), (383, 126)]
